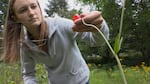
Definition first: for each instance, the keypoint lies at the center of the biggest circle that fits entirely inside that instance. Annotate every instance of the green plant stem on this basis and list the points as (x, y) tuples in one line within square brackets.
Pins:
[(121, 20), (116, 56)]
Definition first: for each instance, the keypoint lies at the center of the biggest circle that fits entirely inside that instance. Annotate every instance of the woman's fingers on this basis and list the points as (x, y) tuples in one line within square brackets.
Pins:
[(93, 18), (84, 28)]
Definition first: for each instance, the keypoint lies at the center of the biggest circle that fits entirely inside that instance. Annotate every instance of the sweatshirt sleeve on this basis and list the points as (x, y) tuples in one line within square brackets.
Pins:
[(28, 70), (98, 40), (93, 38)]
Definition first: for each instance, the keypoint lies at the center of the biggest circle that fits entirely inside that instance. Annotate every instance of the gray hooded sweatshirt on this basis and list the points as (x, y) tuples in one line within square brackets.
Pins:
[(63, 61)]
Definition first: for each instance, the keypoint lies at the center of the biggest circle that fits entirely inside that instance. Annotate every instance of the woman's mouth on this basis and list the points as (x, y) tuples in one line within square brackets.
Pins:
[(32, 19)]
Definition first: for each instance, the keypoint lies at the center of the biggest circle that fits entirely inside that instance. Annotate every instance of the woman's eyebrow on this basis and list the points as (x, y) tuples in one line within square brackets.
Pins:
[(25, 6)]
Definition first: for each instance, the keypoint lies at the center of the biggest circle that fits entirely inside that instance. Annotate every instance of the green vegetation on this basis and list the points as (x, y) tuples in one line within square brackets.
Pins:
[(134, 52), (134, 75), (100, 74), (10, 74)]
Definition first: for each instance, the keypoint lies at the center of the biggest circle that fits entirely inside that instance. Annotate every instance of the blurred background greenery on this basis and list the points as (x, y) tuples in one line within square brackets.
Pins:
[(134, 53)]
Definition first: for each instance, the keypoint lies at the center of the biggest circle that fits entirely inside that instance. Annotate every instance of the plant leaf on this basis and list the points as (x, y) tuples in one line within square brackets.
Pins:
[(117, 45)]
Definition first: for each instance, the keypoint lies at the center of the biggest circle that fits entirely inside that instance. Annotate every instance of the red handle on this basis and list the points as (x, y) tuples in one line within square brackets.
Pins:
[(75, 17)]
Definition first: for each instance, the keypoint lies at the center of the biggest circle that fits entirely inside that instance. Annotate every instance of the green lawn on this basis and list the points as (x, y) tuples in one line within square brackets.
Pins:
[(10, 74), (100, 76)]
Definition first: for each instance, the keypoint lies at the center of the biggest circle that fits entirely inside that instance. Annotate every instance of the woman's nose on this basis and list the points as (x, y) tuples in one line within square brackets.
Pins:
[(30, 12)]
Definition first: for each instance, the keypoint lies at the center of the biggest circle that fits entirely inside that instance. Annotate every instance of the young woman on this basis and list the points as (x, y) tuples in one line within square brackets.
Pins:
[(50, 41)]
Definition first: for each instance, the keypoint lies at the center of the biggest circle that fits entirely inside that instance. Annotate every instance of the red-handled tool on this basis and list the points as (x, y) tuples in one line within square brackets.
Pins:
[(75, 17)]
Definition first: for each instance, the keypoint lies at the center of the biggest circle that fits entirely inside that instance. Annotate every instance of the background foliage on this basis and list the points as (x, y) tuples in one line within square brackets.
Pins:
[(136, 32), (60, 8), (136, 28)]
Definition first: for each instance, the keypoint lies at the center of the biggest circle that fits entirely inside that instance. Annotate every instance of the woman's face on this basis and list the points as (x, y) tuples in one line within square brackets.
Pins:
[(27, 12)]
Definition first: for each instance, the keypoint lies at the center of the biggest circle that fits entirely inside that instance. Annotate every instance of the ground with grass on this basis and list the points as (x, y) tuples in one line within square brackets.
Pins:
[(100, 74)]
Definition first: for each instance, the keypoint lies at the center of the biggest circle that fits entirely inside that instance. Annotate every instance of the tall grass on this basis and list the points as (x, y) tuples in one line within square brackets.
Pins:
[(113, 76), (118, 42), (10, 74)]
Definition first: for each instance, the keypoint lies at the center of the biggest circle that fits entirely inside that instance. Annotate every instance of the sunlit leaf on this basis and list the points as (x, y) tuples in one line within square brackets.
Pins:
[(118, 42)]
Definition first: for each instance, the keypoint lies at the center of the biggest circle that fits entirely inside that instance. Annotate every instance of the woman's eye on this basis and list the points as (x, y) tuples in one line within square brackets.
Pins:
[(33, 6), (22, 10)]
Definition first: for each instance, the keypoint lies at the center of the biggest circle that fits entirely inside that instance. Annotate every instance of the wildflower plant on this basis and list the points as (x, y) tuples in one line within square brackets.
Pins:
[(118, 40)]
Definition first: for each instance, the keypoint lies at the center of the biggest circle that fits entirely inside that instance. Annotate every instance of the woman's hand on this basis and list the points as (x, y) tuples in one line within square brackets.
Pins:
[(94, 18)]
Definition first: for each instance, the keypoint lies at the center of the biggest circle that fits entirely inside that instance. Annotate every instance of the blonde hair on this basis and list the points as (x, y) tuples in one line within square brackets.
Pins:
[(12, 30)]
